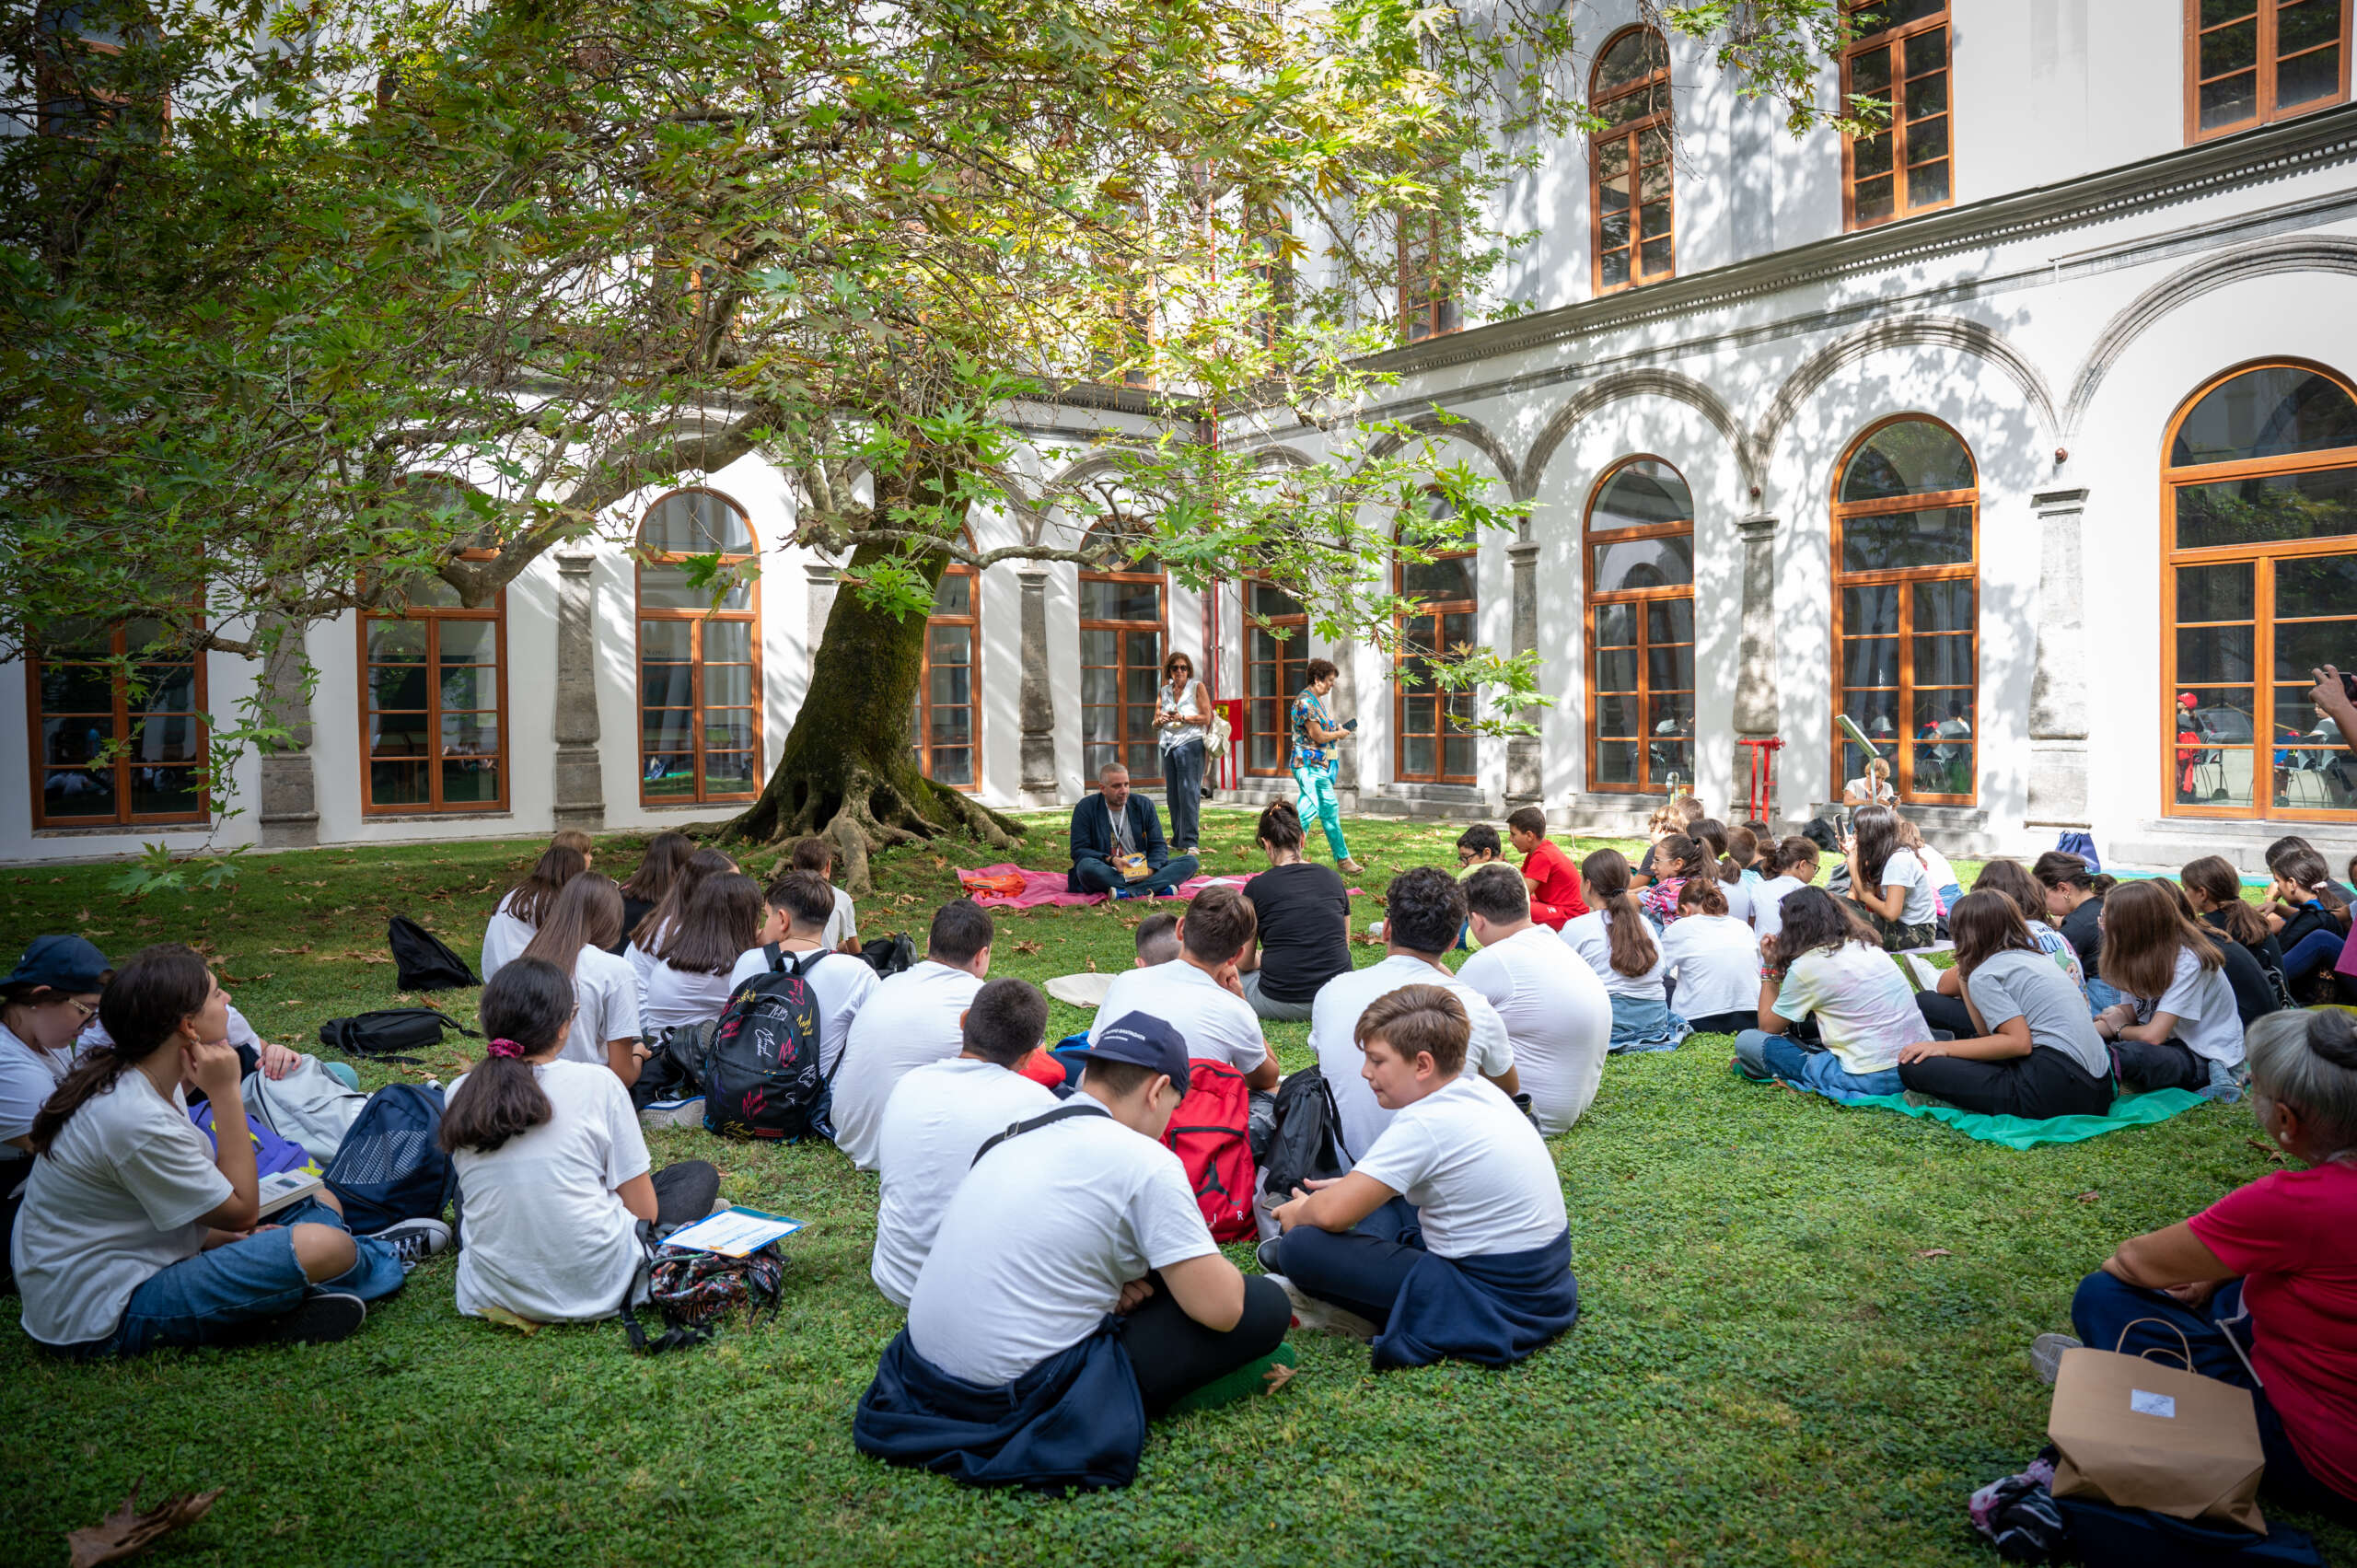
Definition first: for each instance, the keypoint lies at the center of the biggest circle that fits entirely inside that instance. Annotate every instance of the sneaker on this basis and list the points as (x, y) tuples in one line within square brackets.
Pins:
[(1314, 1316), (1926, 973), (321, 1317), (2046, 1354), (414, 1241), (1350, 867), (1735, 1066), (1266, 1256)]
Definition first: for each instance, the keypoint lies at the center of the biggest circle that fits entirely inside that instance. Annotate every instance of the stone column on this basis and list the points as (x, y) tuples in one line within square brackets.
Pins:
[(1039, 698), (2058, 687), (1525, 756), (289, 817), (1757, 709), (578, 787)]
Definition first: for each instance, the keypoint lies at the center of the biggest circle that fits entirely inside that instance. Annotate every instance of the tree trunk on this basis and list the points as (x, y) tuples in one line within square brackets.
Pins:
[(846, 773)]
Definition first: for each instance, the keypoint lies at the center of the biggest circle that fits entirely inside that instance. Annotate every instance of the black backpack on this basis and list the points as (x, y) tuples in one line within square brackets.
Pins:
[(1307, 1142), (890, 955), (422, 961), (387, 1033), (390, 1166), (762, 1079)]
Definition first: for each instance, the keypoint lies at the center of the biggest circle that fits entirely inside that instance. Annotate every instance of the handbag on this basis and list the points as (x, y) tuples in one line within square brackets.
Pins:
[(2141, 1433), (1222, 735)]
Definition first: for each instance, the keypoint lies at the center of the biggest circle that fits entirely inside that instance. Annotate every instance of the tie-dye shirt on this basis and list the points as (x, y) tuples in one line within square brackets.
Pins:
[(1866, 1010)]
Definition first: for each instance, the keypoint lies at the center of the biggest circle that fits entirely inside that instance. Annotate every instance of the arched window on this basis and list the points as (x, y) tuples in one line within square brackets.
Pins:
[(1906, 525), (433, 689), (2261, 472), (698, 665), (115, 743), (1272, 675), (944, 730), (1636, 218), (2255, 62), (1899, 55), (1640, 553), (1431, 744), (1122, 626)]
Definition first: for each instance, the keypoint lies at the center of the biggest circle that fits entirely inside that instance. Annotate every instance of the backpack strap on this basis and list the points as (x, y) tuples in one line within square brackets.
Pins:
[(1062, 1113), (776, 957)]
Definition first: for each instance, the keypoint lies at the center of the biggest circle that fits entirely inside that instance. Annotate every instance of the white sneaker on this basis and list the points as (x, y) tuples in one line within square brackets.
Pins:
[(1926, 973), (1323, 1316), (414, 1241), (2046, 1354)]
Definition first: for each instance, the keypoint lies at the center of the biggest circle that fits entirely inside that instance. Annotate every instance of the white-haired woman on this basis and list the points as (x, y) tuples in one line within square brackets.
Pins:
[(2269, 1265)]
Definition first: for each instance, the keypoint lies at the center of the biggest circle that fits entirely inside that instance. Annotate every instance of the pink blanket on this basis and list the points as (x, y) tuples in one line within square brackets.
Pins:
[(1048, 887)]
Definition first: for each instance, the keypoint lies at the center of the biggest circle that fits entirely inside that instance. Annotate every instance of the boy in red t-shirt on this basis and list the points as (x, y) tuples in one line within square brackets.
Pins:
[(1554, 882)]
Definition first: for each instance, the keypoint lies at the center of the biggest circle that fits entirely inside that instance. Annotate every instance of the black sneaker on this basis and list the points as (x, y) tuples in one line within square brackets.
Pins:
[(414, 1241), (1266, 1256), (323, 1318)]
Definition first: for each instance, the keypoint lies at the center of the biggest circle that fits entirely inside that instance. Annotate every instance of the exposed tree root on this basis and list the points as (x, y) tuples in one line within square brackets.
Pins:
[(865, 809)]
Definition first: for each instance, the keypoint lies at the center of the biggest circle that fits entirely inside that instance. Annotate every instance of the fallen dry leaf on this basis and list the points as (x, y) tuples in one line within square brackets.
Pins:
[(1030, 947), (2269, 1150), (83, 918), (2090, 1197), (1092, 966), (127, 1531), (498, 1313), (1935, 1253)]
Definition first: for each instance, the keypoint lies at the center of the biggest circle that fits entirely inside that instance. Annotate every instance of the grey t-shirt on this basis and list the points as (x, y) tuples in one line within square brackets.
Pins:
[(2017, 984)]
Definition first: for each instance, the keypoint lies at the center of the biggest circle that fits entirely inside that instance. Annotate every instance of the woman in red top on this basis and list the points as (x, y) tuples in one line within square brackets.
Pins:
[(1553, 880), (2271, 1264)]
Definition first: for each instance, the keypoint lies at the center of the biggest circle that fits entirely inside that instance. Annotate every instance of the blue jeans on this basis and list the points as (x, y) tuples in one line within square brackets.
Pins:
[(2316, 951), (1099, 877), (2101, 993), (1182, 790), (1314, 797), (1359, 1271), (226, 1294), (1764, 1055)]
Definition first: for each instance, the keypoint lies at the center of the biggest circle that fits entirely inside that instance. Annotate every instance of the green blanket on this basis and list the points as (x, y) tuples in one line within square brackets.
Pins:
[(2019, 1132)]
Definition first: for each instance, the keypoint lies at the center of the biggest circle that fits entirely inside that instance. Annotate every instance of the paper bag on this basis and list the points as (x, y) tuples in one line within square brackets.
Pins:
[(2143, 1434)]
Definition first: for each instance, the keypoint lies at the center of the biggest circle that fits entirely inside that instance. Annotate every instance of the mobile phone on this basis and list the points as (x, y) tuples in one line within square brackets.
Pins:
[(2348, 685)]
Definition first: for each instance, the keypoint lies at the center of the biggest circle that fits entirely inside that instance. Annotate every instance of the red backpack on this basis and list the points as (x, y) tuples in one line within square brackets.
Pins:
[(1209, 1133)]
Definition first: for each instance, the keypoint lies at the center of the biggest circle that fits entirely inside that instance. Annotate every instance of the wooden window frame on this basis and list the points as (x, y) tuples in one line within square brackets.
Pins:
[(1902, 765), (2265, 111), (1161, 627), (1433, 610), (1296, 645), (1643, 598), (1424, 313), (1628, 134), (1895, 40), (698, 620), (120, 695), (432, 617), (920, 743), (2262, 559)]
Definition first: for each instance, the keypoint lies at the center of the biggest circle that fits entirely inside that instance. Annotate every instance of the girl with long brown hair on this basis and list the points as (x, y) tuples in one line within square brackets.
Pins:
[(2176, 1024), (2029, 1049), (2074, 896), (576, 938), (649, 938), (1888, 882), (1618, 943), (523, 906), (1825, 963), (2214, 889), (1791, 864), (667, 855), (720, 921)]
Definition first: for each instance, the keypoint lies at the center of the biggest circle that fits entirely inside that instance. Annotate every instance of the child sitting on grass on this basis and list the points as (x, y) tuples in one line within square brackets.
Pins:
[(1156, 941), (1619, 944), (1714, 960), (1477, 846), (1791, 864), (576, 937), (1671, 818), (690, 980), (842, 933), (2029, 1048), (1545, 870), (1825, 963), (2176, 1024), (2308, 916), (523, 906)]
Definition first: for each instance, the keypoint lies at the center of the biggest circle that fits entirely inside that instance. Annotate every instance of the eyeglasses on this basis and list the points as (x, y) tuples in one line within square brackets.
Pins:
[(88, 1009)]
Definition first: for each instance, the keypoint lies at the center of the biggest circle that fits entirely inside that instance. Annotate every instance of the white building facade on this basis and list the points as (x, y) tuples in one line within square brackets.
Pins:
[(2023, 436)]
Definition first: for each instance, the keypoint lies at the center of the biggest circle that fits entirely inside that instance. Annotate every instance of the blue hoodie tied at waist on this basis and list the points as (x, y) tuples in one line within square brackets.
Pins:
[(1493, 1310)]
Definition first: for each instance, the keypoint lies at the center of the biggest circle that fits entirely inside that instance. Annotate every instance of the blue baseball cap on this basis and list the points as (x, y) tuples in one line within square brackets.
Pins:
[(62, 963), (1143, 1041)]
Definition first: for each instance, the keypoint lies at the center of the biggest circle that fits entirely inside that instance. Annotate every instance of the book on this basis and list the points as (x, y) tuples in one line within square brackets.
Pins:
[(733, 1233), (287, 1188)]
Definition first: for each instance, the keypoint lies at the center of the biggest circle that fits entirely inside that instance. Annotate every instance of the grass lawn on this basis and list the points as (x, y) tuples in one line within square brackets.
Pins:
[(1801, 1338)]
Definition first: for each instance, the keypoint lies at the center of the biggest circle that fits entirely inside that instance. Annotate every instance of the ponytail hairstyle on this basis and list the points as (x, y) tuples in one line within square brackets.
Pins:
[(530, 900), (1701, 896), (1814, 918), (1713, 835), (1684, 856), (588, 913), (2060, 868), (1790, 854), (2214, 877), (2012, 879), (667, 852), (525, 1010), (1279, 827), (700, 865), (1985, 924), (2145, 925), (2305, 868), (2284, 846), (1878, 836), (1743, 849), (1605, 872), (719, 923), (141, 1008)]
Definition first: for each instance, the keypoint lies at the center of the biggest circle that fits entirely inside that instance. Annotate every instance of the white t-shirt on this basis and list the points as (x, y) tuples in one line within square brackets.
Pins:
[(909, 1020), (843, 922), (640, 956), (1217, 1025), (841, 984), (1334, 1017), (1591, 938), (937, 1116), (1936, 868), (504, 939), (1903, 871), (1477, 1172), (605, 995), (1768, 903), (2203, 1003), (1035, 1247), (1865, 1009), (1557, 1015), (115, 1201), (1738, 895), (1716, 959), (547, 1237), (27, 1077), (681, 996)]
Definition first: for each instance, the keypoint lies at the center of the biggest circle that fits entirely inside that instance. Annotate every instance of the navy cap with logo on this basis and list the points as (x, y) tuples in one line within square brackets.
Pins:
[(62, 963), (1143, 1041)]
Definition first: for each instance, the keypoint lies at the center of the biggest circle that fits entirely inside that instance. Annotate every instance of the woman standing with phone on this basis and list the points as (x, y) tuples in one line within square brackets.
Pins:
[(1182, 716), (1315, 737)]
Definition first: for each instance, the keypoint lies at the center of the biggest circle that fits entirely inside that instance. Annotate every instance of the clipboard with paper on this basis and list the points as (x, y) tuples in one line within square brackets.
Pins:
[(734, 1232)]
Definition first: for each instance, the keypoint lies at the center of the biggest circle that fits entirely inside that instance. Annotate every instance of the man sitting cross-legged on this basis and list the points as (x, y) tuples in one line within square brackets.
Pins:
[(1198, 994), (940, 1113), (1012, 1369), (1449, 1235), (1109, 827), (909, 1019)]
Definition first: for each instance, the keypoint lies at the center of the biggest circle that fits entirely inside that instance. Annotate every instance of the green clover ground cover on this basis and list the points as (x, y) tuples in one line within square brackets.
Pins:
[(1801, 1338)]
